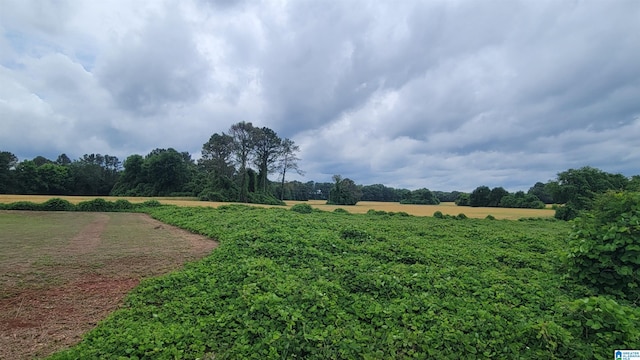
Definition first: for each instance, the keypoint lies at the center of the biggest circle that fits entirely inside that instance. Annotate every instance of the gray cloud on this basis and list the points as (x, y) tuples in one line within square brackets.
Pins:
[(445, 95)]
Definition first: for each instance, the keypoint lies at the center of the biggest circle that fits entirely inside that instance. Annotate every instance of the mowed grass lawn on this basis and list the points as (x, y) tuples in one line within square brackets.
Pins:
[(62, 272), (362, 207)]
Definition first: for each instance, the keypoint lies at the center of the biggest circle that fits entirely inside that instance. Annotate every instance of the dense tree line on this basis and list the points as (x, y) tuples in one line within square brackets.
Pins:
[(233, 167), (236, 166), (92, 174)]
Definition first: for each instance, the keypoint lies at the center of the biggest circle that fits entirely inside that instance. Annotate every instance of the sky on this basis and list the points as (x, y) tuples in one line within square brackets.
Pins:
[(443, 94)]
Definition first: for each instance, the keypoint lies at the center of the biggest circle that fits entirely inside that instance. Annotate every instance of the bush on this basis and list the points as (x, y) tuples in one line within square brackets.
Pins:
[(566, 212), (122, 204), (302, 208), (602, 323), (604, 246), (24, 205), (261, 198), (151, 203), (97, 205), (57, 204)]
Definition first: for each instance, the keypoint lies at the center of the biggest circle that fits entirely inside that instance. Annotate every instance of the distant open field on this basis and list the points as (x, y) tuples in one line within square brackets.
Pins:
[(448, 208)]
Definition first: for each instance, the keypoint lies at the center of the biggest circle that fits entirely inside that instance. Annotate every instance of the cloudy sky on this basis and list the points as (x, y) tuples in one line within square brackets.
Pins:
[(443, 94)]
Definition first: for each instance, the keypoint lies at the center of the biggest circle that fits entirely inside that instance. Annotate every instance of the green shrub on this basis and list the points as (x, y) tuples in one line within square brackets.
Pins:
[(151, 203), (603, 323), (24, 205), (122, 204), (399, 213), (261, 198), (566, 212), (604, 247), (96, 205), (341, 211), (302, 208), (57, 204)]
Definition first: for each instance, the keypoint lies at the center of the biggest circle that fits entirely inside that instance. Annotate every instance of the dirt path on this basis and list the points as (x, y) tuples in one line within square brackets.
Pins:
[(37, 322), (88, 239)]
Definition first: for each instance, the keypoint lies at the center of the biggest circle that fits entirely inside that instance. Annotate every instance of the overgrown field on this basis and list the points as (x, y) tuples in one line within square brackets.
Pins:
[(327, 285)]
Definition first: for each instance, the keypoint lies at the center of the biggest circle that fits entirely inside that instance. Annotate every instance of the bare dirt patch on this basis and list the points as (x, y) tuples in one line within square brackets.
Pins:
[(89, 274)]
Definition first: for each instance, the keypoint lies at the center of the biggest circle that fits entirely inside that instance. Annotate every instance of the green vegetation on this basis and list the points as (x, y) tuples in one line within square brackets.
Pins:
[(420, 196), (95, 205), (323, 285), (344, 192), (605, 246)]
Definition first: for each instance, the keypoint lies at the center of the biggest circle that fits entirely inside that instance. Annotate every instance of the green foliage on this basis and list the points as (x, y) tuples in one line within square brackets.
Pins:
[(302, 208), (463, 199), (420, 196), (577, 188), (264, 198), (209, 195), (566, 212), (95, 205), (323, 286), (123, 205), (24, 205), (57, 204), (598, 322), (344, 192), (151, 203), (605, 246)]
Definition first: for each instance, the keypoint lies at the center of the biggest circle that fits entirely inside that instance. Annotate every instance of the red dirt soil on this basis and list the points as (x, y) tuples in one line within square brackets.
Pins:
[(34, 323)]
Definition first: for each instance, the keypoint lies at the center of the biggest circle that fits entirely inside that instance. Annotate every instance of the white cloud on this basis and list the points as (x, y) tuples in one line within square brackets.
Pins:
[(441, 94)]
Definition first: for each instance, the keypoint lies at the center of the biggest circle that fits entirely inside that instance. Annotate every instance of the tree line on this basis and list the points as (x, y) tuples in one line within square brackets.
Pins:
[(235, 166)]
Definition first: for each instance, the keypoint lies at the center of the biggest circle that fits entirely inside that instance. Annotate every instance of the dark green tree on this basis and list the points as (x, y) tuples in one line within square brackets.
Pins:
[(63, 159), (496, 195), (344, 192), (8, 162), (166, 170), (287, 160), (55, 179), (480, 196), (267, 149), (576, 188), (243, 144), (542, 192), (463, 200), (421, 196)]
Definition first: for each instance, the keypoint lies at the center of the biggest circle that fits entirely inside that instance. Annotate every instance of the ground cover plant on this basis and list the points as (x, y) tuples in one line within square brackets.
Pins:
[(62, 272), (333, 285)]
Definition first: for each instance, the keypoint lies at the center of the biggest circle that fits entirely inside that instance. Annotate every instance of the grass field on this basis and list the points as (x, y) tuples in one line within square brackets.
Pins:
[(360, 208), (61, 272)]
